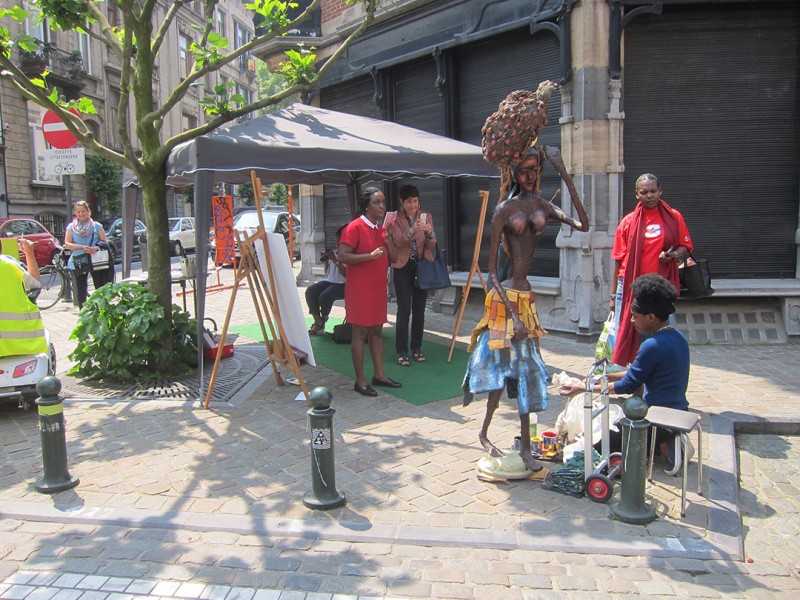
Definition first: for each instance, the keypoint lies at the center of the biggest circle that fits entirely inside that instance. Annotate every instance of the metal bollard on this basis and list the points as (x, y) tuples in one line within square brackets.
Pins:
[(631, 507), (56, 476), (323, 494)]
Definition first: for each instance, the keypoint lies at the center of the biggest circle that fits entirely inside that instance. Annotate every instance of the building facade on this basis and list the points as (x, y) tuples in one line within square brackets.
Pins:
[(81, 66), (703, 94)]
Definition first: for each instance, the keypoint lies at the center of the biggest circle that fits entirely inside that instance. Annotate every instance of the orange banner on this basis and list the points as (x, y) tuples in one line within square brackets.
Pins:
[(222, 209)]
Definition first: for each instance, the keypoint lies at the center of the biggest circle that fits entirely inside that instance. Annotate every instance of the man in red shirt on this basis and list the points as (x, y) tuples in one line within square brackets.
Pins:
[(651, 239)]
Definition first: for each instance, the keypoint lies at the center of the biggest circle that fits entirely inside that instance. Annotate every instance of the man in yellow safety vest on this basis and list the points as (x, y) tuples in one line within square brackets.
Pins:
[(21, 327)]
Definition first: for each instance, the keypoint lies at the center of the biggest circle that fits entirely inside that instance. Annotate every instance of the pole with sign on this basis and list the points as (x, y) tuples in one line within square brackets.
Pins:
[(62, 139)]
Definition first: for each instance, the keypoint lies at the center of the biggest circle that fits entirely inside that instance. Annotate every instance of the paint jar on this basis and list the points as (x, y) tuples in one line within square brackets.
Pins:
[(517, 443), (549, 441), (536, 445)]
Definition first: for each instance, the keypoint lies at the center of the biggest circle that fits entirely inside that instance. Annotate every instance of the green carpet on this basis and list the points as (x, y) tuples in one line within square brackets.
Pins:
[(423, 383)]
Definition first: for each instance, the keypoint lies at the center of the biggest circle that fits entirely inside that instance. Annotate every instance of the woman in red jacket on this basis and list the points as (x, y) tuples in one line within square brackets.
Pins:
[(363, 249)]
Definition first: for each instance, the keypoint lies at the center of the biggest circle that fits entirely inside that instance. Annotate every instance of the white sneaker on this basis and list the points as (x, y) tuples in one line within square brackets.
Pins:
[(675, 467)]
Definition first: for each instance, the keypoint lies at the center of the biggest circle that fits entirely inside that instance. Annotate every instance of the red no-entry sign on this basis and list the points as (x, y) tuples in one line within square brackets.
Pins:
[(56, 132)]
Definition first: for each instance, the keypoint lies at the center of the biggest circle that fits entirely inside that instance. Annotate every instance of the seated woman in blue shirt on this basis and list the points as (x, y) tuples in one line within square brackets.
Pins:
[(662, 362)]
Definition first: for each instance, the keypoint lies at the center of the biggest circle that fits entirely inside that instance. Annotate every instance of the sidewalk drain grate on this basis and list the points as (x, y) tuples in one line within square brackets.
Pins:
[(234, 372)]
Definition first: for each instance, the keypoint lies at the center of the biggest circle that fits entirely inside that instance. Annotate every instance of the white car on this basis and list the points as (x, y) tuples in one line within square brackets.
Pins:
[(181, 234), (275, 221)]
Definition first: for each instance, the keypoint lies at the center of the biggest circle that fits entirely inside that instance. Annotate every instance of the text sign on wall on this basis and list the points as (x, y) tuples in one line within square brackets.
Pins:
[(64, 162)]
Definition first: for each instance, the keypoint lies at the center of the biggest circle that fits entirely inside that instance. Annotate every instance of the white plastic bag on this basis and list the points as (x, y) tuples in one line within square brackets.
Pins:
[(570, 421), (607, 340)]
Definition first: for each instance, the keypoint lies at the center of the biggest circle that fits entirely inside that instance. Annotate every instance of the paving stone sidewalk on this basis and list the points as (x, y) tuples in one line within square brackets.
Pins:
[(197, 503)]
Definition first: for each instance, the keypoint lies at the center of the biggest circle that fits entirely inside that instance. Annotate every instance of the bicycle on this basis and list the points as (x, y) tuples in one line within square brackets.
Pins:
[(55, 279)]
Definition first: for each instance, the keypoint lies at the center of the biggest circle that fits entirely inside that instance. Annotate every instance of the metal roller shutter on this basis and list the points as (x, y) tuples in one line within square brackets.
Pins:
[(487, 72), (353, 97), (711, 107), (417, 104)]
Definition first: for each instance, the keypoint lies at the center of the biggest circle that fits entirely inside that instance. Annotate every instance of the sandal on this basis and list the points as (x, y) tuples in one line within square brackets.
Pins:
[(402, 360), (316, 329), (418, 356)]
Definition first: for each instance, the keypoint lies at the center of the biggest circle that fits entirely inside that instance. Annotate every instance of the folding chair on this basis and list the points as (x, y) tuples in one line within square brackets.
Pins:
[(682, 423)]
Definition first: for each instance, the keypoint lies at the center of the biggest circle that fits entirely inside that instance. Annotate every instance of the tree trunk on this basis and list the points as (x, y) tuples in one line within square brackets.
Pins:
[(158, 256)]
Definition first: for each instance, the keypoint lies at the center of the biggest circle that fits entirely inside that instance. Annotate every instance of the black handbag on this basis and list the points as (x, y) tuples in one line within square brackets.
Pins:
[(432, 274), (343, 333), (82, 263), (695, 278)]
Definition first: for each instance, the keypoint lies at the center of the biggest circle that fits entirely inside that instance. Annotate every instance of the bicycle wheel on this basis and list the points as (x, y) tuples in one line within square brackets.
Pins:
[(52, 287)]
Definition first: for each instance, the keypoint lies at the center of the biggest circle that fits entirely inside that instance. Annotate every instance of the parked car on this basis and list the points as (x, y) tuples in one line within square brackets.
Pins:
[(46, 246), (181, 234), (275, 221), (114, 235)]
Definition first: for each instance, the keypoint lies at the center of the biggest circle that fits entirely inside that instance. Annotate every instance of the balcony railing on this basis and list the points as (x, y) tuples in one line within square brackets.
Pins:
[(65, 65)]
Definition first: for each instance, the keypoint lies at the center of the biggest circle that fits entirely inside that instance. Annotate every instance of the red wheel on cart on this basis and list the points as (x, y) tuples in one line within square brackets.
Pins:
[(599, 488), (615, 460)]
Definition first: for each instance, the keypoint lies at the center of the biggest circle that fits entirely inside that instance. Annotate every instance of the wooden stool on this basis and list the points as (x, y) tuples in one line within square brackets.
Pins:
[(683, 423)]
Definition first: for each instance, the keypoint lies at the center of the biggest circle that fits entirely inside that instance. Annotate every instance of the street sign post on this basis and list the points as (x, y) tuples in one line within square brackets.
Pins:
[(64, 162), (55, 131)]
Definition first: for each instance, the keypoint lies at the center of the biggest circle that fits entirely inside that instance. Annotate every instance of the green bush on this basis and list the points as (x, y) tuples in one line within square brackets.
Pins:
[(121, 331)]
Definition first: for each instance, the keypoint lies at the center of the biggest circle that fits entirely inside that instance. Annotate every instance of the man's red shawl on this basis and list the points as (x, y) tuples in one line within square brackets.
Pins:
[(627, 342)]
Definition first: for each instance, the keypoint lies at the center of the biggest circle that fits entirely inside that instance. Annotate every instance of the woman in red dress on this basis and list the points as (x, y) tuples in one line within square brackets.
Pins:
[(364, 250)]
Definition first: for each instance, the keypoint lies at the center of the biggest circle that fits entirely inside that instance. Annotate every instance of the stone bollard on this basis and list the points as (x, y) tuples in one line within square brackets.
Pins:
[(631, 507), (56, 476), (323, 494)]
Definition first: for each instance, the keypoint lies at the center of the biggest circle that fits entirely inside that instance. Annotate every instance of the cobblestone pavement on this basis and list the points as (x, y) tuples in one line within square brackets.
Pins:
[(769, 467), (176, 502)]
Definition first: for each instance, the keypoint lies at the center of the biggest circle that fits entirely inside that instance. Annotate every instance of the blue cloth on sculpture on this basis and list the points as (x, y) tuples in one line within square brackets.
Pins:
[(519, 369)]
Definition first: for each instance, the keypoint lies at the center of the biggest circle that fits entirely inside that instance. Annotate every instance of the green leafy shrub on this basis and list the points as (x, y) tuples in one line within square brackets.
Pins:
[(120, 334)]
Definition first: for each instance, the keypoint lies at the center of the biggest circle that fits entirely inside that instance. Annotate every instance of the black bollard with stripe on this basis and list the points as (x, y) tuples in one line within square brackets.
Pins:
[(56, 476)]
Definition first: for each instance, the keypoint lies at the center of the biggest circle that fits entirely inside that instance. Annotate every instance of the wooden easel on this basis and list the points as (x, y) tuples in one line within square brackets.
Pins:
[(473, 270), (265, 301)]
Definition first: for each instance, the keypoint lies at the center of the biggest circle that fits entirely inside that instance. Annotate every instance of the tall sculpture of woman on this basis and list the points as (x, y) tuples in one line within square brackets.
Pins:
[(505, 347)]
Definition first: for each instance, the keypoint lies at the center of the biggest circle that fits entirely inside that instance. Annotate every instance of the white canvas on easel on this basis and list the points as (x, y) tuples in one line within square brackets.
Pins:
[(291, 311)]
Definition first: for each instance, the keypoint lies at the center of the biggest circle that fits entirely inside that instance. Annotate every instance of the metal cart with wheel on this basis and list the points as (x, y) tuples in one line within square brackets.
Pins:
[(599, 479)]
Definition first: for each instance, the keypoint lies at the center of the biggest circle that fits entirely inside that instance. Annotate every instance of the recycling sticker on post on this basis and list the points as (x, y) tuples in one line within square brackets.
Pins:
[(64, 162)]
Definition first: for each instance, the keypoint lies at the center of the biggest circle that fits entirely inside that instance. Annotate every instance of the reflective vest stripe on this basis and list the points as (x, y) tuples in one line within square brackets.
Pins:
[(31, 316), (19, 335)]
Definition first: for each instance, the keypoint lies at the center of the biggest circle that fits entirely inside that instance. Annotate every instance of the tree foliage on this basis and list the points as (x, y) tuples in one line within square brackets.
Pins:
[(104, 179), (136, 46), (120, 335)]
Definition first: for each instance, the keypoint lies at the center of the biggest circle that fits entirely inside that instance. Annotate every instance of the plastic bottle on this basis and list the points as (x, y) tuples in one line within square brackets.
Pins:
[(534, 425)]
